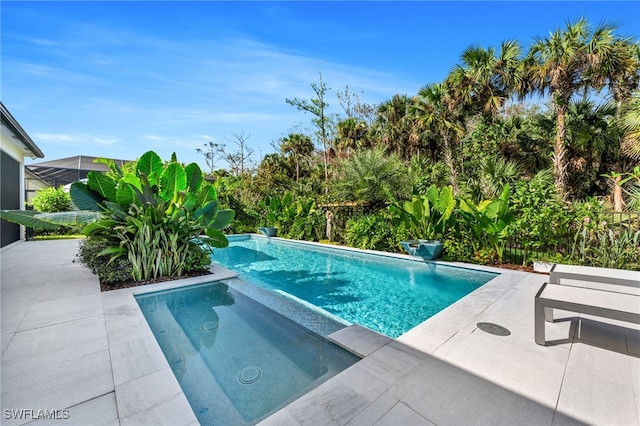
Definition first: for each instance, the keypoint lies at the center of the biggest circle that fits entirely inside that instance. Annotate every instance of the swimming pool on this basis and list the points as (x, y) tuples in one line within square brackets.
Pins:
[(386, 294), (236, 360)]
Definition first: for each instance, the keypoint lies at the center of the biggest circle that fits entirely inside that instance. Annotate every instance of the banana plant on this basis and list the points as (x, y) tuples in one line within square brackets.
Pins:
[(168, 202), (278, 211), (489, 222), (426, 216)]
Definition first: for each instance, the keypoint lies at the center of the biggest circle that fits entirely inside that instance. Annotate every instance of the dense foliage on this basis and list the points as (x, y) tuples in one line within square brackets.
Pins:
[(518, 178)]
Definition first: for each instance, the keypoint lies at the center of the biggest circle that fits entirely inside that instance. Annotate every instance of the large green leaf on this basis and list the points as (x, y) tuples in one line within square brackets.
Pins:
[(150, 164), (194, 176), (492, 210), (172, 181), (206, 194), (72, 218), (216, 238), (102, 184), (433, 194), (111, 164), (84, 198), (132, 179), (189, 202), (447, 202), (504, 200), (27, 218), (207, 213), (124, 194), (101, 225), (223, 218), (115, 209)]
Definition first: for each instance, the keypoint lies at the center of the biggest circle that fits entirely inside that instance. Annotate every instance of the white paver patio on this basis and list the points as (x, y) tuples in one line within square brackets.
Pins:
[(66, 346)]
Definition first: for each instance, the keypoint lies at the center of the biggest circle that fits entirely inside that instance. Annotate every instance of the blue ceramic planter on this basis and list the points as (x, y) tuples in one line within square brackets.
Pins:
[(268, 231), (426, 249)]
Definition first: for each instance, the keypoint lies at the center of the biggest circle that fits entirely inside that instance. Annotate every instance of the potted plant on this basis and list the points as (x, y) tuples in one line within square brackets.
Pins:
[(426, 217), (274, 214)]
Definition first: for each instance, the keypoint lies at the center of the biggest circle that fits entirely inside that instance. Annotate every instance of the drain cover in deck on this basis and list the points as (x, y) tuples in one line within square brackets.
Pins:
[(494, 329)]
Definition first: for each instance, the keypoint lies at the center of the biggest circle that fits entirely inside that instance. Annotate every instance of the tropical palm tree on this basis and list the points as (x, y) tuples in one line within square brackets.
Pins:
[(298, 147), (619, 70), (435, 109), (630, 123), (372, 177), (351, 134), (486, 80), (393, 124), (562, 65)]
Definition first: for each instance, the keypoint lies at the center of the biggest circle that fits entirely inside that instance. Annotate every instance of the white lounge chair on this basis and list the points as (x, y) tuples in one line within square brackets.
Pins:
[(560, 274), (606, 304)]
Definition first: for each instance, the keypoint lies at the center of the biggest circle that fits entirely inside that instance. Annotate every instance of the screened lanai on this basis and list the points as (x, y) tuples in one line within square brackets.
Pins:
[(67, 170)]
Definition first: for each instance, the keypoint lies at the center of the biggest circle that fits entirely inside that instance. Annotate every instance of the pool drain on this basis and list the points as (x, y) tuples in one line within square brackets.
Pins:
[(209, 326), (249, 375), (495, 329)]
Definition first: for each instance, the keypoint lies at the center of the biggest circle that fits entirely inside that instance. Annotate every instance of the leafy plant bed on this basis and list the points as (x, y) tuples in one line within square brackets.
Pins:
[(130, 284)]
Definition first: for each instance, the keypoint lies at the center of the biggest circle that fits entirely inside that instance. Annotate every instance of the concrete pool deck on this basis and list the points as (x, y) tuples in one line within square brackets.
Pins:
[(90, 355)]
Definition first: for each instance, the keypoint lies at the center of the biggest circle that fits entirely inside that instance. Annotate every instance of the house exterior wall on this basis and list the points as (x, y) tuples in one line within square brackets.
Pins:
[(15, 145), (12, 190)]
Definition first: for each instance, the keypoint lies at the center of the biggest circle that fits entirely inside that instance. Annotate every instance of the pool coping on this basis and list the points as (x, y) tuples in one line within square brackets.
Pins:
[(56, 355), (140, 368)]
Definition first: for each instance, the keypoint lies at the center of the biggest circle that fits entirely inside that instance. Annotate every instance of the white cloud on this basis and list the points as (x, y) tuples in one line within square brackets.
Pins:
[(75, 139)]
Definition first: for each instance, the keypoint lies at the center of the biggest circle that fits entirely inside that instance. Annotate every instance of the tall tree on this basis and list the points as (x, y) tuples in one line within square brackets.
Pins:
[(561, 65), (353, 107), (485, 80), (212, 152), (630, 123), (322, 121), (298, 147), (239, 159), (393, 125), (351, 133), (437, 110), (619, 70)]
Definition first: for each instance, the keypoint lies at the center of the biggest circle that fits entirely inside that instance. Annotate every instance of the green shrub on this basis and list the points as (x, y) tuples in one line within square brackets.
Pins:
[(374, 232), (51, 200), (107, 272), (309, 226), (458, 249), (198, 260), (542, 221), (607, 248)]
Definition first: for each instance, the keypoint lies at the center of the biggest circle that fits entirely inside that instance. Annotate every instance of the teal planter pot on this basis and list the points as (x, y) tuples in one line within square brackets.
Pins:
[(426, 249), (268, 231)]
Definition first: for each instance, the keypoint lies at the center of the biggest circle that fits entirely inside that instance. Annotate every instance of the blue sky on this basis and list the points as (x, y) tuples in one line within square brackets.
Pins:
[(116, 79)]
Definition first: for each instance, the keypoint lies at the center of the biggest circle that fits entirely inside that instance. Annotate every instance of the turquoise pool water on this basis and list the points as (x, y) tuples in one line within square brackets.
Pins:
[(388, 295), (236, 360)]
